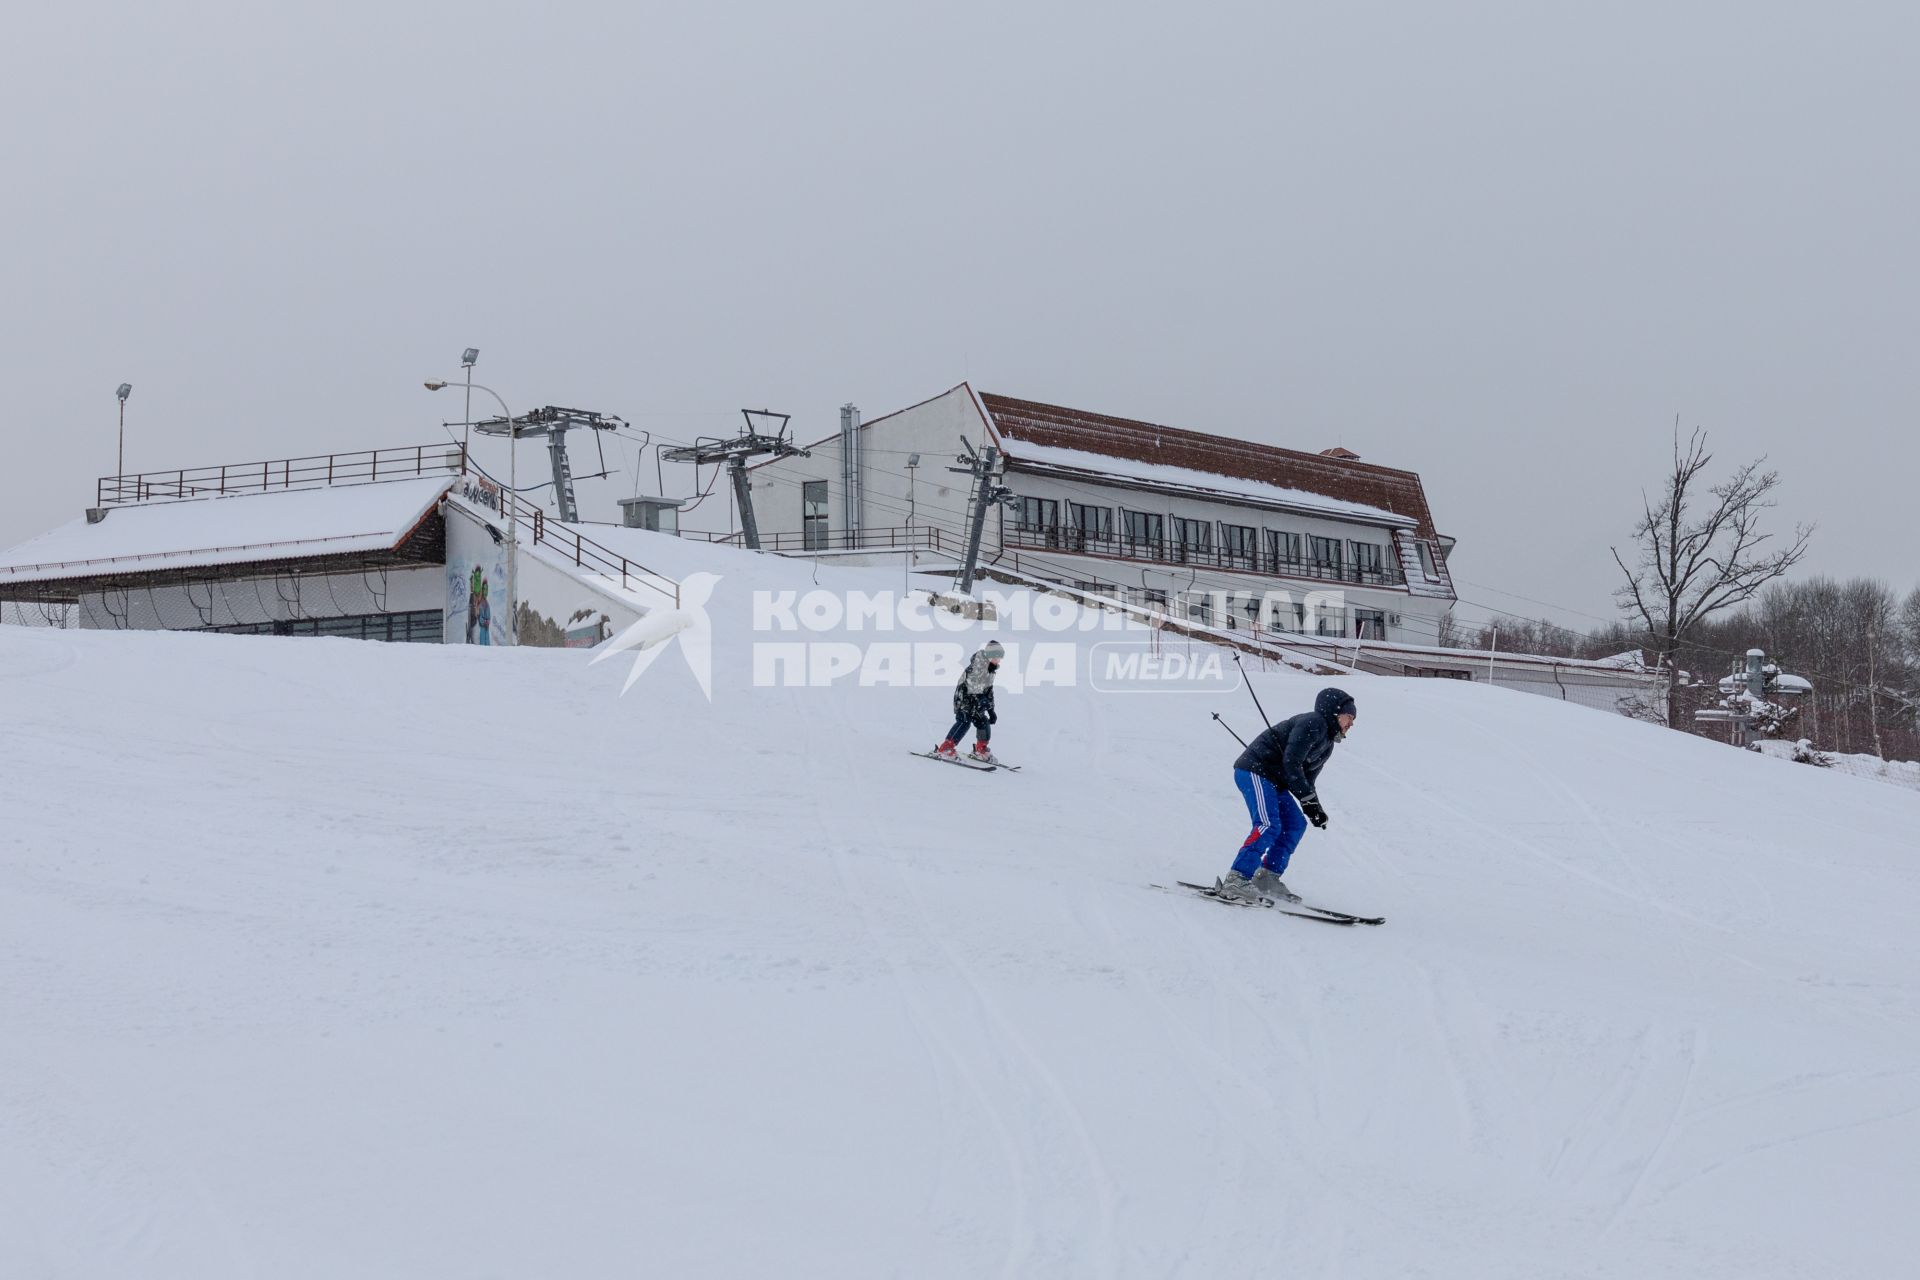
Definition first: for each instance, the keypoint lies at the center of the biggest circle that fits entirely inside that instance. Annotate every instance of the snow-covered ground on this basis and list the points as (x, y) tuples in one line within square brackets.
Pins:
[(1901, 773), (333, 959)]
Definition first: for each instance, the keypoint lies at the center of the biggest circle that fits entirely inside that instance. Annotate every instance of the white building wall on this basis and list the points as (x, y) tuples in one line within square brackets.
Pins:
[(934, 497)]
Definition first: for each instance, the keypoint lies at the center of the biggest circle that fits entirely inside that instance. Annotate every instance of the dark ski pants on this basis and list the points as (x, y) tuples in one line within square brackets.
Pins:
[(982, 730), (1278, 825)]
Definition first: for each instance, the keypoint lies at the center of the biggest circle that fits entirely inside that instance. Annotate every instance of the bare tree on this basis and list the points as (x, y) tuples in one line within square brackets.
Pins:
[(1910, 627), (1699, 548)]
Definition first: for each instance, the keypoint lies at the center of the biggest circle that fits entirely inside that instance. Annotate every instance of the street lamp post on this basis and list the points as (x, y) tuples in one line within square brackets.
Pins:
[(513, 499), (120, 460), (468, 359)]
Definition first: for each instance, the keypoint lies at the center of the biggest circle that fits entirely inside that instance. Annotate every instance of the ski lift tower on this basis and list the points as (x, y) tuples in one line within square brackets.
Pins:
[(735, 452), (554, 422)]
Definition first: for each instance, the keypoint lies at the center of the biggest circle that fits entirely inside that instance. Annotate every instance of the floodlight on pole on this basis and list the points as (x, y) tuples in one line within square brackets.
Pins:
[(512, 501), (124, 390)]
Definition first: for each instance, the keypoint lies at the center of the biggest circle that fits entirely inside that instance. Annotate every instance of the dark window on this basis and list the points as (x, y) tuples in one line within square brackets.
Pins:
[(1155, 599), (1283, 552), (1146, 534), (1326, 556), (813, 515), (1369, 560), (1369, 624), (1089, 526), (1039, 521), (1240, 542), (423, 626), (1427, 567), (1193, 539)]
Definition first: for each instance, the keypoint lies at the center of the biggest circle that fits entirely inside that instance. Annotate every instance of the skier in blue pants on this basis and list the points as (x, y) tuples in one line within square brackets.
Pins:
[(1277, 775)]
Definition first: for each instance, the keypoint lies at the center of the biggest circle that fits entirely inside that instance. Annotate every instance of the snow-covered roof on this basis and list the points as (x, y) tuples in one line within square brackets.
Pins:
[(235, 529), (1225, 464), (1782, 683), (1045, 459)]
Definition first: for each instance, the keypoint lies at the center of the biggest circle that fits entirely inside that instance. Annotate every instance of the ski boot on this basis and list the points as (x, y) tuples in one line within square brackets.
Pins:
[(1268, 884), (945, 750), (982, 754), (1235, 887)]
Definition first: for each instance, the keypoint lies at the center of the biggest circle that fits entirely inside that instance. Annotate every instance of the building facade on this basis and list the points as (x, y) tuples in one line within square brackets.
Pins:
[(407, 544), (1203, 527)]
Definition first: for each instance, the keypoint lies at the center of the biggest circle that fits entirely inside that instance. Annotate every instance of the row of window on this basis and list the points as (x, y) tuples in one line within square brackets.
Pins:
[(420, 627), (1088, 527), (1209, 610), (1182, 541)]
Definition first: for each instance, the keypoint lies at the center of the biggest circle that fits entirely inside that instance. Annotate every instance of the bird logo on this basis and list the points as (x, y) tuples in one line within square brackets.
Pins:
[(650, 636)]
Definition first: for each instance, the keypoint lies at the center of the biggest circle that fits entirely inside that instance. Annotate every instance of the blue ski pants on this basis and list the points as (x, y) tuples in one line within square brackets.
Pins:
[(1278, 825)]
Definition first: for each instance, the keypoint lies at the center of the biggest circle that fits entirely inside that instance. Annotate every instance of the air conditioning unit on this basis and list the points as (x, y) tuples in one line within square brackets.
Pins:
[(1393, 619)]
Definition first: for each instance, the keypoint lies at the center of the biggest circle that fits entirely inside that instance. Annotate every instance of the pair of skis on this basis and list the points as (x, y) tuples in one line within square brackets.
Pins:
[(1303, 910), (968, 762)]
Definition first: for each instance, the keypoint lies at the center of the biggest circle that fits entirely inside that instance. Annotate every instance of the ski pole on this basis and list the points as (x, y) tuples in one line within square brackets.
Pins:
[(1229, 728), (1256, 697)]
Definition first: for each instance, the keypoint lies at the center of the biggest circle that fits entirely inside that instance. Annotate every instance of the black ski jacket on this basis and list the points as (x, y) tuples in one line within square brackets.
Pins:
[(1291, 754), (973, 696)]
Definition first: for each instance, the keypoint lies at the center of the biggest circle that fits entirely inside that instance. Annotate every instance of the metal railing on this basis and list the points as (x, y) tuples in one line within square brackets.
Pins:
[(1168, 551), (900, 538), (585, 553), (364, 467)]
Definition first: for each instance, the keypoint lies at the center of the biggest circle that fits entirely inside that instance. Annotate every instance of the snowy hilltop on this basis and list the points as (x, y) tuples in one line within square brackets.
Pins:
[(332, 959)]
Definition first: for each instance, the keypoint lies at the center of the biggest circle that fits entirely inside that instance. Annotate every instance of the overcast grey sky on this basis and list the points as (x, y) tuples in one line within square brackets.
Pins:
[(1502, 244)]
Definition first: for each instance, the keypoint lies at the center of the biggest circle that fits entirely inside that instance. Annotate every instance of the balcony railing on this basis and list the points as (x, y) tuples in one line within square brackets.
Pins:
[(1169, 551), (283, 473), (921, 538)]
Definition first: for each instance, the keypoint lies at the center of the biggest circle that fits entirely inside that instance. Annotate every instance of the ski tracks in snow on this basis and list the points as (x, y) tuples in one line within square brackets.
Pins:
[(1281, 1205), (1100, 1244), (1493, 1110), (946, 1061), (1691, 1047)]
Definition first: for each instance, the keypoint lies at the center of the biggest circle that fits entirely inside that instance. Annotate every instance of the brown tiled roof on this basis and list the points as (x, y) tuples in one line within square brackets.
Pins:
[(1329, 476)]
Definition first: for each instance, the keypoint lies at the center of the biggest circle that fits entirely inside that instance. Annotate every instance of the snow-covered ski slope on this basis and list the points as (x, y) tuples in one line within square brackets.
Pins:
[(329, 959)]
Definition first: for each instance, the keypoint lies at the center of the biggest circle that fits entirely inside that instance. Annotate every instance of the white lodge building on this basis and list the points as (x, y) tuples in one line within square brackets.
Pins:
[(1200, 525)]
